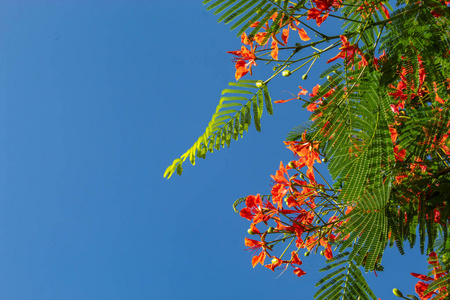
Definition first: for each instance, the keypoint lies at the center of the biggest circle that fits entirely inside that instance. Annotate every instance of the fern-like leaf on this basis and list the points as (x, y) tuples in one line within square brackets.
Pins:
[(232, 117), (246, 12), (345, 281)]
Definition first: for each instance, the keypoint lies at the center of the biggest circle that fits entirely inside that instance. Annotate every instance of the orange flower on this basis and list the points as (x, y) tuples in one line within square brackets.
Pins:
[(303, 35), (306, 149), (322, 6), (301, 32), (299, 272), (285, 35), (302, 92), (256, 210), (256, 245), (274, 52), (260, 37), (399, 154), (242, 56), (259, 259), (348, 52)]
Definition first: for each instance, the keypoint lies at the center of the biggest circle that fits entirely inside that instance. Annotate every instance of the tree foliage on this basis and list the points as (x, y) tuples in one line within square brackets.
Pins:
[(380, 120)]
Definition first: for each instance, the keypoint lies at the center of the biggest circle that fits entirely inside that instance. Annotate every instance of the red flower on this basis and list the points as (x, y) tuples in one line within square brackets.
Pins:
[(306, 149), (259, 259), (399, 154), (313, 13), (295, 260), (348, 52), (321, 7), (274, 52), (299, 272), (394, 133), (438, 272), (420, 288), (278, 192), (256, 210), (302, 92), (301, 32), (323, 4), (328, 253), (272, 266), (242, 56), (256, 245), (285, 35)]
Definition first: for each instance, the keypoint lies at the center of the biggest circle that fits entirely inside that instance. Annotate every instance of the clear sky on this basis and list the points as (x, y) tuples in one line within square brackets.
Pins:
[(96, 100)]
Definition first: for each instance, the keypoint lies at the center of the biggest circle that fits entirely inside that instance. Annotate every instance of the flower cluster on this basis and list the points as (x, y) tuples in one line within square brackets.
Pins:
[(245, 58), (322, 9), (437, 272), (293, 212), (308, 213)]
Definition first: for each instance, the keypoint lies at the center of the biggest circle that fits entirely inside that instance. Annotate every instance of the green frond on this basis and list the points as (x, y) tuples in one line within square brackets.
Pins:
[(246, 12), (295, 134), (354, 132), (237, 202), (232, 117), (368, 228), (345, 281), (441, 283)]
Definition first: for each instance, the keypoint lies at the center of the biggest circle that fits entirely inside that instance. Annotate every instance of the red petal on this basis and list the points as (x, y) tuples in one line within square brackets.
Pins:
[(303, 35)]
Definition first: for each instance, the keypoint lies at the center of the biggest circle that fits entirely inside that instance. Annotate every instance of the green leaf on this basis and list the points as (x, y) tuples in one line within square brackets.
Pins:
[(230, 120)]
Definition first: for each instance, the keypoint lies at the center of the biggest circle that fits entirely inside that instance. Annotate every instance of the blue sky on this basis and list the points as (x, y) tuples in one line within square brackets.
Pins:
[(96, 100)]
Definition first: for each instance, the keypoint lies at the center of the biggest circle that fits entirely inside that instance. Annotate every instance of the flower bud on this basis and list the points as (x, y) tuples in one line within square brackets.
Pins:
[(274, 260), (397, 293), (322, 253), (305, 76), (250, 232), (259, 84), (270, 230), (286, 73), (307, 253), (291, 165)]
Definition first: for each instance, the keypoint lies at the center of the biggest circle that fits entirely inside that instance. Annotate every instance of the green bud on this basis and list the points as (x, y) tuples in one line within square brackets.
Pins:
[(302, 176), (291, 165), (397, 293), (286, 73), (259, 84), (270, 230), (250, 232), (322, 253), (305, 76), (306, 253), (274, 260), (329, 78), (325, 159)]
